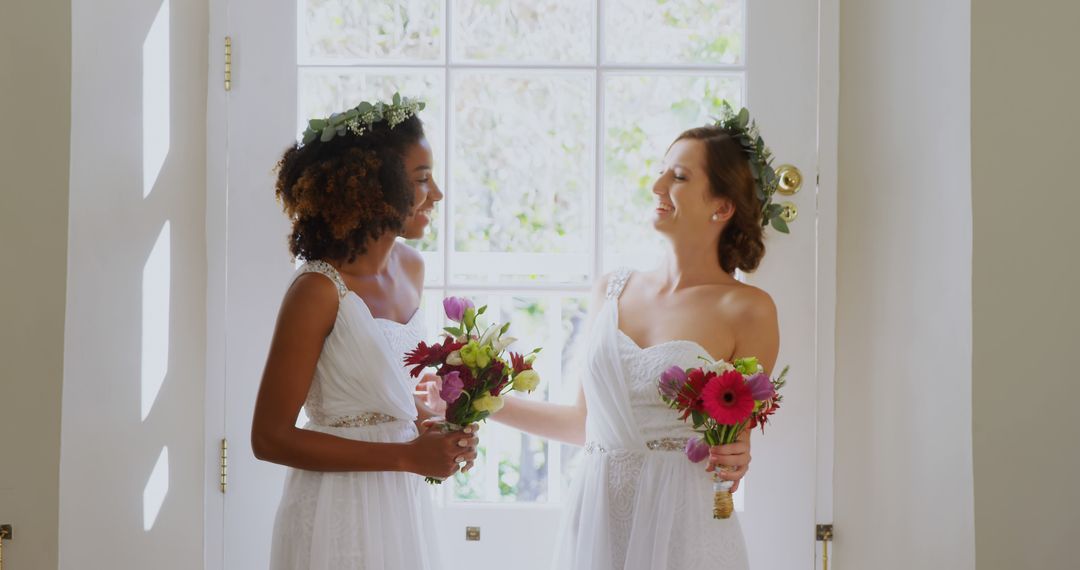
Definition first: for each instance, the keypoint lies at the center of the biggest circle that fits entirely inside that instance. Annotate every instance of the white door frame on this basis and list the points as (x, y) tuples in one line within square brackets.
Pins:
[(217, 192), (827, 187), (217, 114)]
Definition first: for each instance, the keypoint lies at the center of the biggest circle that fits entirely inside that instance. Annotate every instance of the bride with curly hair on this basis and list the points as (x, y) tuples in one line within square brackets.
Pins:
[(354, 495)]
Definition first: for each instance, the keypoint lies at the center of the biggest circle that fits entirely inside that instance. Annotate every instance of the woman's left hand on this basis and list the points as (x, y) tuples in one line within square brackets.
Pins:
[(732, 460)]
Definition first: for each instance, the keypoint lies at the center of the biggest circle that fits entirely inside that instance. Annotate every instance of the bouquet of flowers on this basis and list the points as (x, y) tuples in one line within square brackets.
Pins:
[(470, 361), (721, 399)]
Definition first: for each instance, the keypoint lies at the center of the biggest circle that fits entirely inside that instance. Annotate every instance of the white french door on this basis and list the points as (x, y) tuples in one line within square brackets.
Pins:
[(548, 119)]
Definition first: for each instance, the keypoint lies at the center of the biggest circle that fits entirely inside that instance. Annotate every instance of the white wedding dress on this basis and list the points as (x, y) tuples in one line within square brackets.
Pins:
[(361, 390), (638, 502)]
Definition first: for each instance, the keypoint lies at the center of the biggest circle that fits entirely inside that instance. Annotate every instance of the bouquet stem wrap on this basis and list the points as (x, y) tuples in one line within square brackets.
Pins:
[(723, 505)]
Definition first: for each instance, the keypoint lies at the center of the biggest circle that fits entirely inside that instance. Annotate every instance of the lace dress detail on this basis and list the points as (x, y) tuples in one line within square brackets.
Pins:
[(360, 391), (617, 283), (639, 502), (329, 271)]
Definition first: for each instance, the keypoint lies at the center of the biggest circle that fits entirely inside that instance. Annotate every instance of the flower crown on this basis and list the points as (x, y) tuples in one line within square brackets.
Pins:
[(746, 133), (362, 117)]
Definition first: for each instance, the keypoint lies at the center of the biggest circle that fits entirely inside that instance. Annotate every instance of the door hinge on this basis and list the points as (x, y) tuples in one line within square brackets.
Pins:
[(224, 464), (228, 63), (824, 533)]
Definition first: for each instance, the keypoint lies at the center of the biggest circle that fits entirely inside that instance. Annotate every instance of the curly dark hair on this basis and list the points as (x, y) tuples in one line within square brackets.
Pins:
[(343, 193), (742, 243)]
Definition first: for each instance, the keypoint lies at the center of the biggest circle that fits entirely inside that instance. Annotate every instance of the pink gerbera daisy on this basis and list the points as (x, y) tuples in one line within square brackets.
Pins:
[(727, 399)]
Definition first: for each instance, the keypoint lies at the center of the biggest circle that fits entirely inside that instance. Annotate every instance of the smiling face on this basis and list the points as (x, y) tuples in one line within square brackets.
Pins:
[(685, 203), (706, 197), (418, 168)]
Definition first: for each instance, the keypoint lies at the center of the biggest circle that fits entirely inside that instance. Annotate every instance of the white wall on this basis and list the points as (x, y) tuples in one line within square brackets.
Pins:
[(35, 56), (903, 386), (1025, 143), (134, 340)]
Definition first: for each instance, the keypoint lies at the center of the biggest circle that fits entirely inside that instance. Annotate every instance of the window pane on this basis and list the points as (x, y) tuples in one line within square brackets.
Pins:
[(522, 177), (368, 30), (547, 31), (674, 31), (328, 90), (642, 116), (513, 466)]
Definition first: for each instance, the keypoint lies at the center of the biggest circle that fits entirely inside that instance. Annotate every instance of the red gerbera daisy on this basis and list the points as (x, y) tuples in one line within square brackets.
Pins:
[(727, 399)]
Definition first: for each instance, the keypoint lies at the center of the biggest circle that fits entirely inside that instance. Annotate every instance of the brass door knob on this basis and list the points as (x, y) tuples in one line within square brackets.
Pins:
[(789, 213), (789, 179)]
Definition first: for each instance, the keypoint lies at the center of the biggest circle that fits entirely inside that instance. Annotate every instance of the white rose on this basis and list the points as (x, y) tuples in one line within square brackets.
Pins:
[(454, 358), (719, 367)]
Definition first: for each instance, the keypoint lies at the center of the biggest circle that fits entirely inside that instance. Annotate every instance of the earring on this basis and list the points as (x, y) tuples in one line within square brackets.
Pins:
[(716, 217)]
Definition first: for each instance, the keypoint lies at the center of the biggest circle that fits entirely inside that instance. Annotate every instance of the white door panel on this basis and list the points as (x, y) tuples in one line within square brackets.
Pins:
[(487, 93)]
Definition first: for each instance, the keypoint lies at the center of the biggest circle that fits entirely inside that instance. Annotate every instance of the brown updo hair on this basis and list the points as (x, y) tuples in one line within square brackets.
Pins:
[(742, 243), (345, 192)]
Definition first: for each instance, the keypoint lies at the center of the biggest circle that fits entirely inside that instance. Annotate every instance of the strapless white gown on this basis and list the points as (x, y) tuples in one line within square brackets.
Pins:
[(638, 502)]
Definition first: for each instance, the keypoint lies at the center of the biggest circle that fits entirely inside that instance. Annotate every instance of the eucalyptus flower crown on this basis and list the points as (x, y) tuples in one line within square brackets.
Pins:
[(361, 118), (745, 131)]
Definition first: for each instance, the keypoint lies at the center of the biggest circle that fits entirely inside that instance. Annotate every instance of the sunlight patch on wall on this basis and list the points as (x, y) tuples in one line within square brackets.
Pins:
[(155, 105), (156, 281)]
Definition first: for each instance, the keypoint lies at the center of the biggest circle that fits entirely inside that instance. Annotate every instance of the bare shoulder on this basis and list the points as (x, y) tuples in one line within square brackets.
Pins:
[(412, 262), (310, 307), (757, 332), (748, 304), (312, 290)]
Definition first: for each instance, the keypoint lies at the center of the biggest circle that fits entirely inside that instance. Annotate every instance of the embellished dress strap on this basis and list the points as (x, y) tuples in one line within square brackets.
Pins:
[(618, 282), (319, 266)]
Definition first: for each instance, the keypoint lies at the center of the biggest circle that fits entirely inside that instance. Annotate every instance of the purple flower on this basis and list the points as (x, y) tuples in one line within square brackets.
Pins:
[(672, 381), (455, 308), (761, 387), (696, 450), (452, 386)]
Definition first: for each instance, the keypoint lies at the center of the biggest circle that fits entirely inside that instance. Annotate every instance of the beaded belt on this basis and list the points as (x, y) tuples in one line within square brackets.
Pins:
[(360, 420), (665, 444)]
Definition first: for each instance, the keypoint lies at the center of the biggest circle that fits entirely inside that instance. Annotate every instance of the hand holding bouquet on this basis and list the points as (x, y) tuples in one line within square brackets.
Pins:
[(472, 362), (721, 399)]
